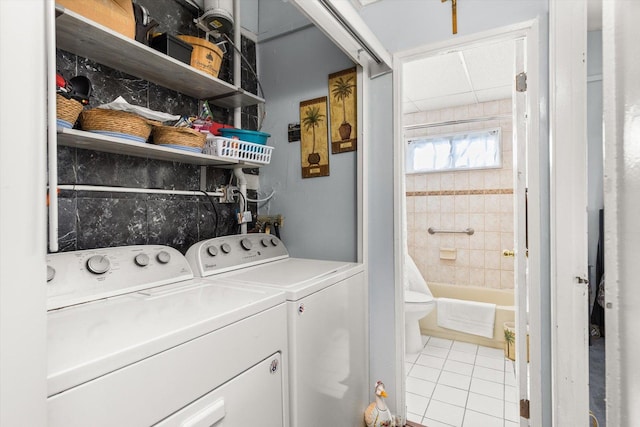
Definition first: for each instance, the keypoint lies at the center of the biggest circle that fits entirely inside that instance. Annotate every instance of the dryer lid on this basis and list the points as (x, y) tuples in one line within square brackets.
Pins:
[(298, 277)]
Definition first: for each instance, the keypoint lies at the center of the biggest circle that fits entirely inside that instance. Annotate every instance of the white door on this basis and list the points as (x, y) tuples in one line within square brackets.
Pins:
[(568, 203), (521, 285)]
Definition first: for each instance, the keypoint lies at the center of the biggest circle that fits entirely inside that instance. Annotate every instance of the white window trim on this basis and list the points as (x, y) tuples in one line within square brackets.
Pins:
[(452, 135)]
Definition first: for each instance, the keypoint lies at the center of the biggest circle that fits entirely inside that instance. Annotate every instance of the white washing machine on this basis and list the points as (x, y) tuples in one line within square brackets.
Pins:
[(327, 318), (135, 340)]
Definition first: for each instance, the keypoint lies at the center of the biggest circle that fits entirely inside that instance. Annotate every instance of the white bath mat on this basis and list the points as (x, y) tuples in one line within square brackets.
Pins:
[(472, 317)]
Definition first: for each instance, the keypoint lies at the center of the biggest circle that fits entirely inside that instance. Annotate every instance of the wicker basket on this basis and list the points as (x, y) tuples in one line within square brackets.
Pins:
[(184, 137), (119, 122), (67, 109), (205, 56)]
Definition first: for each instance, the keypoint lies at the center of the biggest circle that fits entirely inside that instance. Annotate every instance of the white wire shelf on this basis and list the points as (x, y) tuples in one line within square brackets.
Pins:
[(94, 141)]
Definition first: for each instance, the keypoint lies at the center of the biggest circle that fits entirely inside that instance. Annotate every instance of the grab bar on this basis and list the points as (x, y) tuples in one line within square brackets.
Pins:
[(468, 231)]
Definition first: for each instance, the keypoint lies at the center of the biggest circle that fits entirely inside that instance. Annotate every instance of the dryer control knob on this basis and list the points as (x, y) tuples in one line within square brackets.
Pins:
[(142, 260), (51, 273), (98, 264), (265, 242), (163, 257), (246, 244), (274, 241), (212, 250), (226, 248)]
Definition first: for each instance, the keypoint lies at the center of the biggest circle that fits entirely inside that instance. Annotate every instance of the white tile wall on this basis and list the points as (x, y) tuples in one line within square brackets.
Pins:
[(490, 215)]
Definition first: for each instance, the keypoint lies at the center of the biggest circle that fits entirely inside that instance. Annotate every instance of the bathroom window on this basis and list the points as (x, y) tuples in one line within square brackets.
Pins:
[(459, 151)]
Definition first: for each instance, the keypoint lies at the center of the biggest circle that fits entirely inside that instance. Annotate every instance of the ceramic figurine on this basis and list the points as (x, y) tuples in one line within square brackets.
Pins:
[(377, 414)]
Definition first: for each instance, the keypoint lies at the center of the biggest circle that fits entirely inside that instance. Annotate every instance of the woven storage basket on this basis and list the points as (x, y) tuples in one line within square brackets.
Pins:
[(169, 135), (205, 56), (67, 109), (103, 120)]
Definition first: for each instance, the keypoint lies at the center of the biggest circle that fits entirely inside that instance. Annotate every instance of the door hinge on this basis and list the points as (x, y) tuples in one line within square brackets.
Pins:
[(521, 82), (524, 408)]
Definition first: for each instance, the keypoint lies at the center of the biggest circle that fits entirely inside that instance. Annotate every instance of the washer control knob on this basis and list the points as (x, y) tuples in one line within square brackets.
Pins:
[(163, 257), (98, 264), (51, 273), (212, 250), (274, 241), (265, 242), (226, 248), (246, 244), (142, 260)]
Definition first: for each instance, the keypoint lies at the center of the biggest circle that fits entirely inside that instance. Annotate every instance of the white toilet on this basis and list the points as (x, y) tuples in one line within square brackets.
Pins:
[(418, 302)]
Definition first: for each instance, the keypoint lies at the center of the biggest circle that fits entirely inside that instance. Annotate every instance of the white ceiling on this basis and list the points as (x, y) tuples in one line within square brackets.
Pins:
[(464, 77)]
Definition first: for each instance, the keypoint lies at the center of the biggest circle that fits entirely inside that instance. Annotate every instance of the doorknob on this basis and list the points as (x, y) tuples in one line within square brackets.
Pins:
[(508, 253)]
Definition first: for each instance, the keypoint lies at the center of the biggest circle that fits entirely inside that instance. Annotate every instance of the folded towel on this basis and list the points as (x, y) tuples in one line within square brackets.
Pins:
[(472, 317)]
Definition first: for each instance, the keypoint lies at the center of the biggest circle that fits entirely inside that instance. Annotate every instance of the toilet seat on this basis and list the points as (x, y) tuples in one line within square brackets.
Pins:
[(416, 297)]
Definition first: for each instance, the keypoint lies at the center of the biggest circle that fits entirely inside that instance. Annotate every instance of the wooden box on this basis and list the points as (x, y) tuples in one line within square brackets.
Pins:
[(114, 14)]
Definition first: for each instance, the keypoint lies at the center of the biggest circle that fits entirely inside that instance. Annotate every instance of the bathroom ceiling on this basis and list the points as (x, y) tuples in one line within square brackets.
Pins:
[(594, 15), (464, 77)]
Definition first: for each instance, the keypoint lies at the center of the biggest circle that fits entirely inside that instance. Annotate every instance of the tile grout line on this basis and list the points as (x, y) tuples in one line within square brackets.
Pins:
[(446, 359), (464, 415)]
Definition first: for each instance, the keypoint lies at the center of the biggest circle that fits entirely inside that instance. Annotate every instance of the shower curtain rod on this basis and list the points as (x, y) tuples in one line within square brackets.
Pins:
[(456, 122)]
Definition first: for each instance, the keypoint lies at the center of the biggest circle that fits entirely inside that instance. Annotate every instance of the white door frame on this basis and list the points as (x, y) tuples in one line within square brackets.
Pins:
[(23, 242), (621, 93), (568, 211), (529, 31)]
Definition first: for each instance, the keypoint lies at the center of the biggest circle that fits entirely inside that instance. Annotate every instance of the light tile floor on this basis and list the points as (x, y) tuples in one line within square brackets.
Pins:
[(453, 383)]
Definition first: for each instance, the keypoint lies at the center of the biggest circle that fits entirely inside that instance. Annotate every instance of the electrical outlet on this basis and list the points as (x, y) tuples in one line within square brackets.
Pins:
[(229, 195)]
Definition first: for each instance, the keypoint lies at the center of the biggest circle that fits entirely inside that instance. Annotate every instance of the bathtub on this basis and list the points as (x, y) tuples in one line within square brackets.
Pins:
[(505, 312)]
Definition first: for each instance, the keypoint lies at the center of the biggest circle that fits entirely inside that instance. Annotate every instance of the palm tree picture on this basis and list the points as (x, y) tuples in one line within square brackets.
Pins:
[(341, 90), (342, 86), (311, 120), (314, 148)]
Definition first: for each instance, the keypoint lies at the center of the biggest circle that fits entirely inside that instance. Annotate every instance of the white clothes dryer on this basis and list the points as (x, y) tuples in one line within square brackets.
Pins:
[(327, 322), (135, 340)]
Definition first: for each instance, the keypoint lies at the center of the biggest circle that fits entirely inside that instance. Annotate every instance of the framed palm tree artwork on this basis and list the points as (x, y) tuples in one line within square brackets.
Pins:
[(343, 110), (314, 142)]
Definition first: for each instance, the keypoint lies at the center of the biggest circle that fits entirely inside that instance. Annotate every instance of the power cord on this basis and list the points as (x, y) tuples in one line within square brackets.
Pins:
[(215, 211), (244, 200)]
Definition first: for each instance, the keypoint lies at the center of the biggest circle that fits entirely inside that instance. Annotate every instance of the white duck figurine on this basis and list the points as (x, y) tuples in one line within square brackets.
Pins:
[(377, 414)]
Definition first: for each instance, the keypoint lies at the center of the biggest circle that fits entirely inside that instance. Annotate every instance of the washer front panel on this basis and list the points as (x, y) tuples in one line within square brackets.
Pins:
[(92, 339), (146, 392)]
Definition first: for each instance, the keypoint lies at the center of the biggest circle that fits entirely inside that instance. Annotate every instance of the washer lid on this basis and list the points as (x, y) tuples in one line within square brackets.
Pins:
[(89, 340), (298, 277)]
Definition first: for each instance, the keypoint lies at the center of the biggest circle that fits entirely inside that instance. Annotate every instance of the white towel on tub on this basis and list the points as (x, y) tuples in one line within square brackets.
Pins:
[(472, 317)]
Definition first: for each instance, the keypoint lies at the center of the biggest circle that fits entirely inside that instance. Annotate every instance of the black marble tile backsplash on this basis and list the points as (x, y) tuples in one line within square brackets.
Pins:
[(90, 219)]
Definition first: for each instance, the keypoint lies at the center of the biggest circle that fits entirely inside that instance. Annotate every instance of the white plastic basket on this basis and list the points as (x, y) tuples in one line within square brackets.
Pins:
[(238, 150)]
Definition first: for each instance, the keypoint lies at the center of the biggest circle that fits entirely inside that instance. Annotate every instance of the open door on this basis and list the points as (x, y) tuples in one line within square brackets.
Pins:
[(568, 202), (522, 45), (520, 230)]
